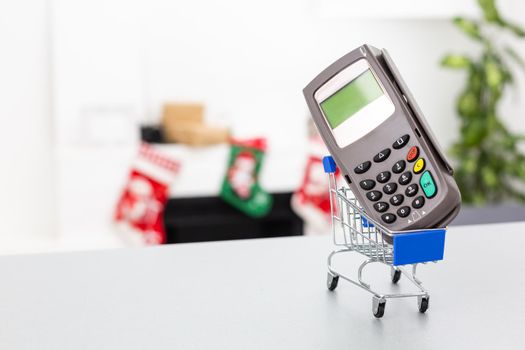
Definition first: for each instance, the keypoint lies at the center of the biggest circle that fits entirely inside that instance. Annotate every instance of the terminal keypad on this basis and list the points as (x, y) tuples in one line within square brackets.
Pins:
[(406, 186)]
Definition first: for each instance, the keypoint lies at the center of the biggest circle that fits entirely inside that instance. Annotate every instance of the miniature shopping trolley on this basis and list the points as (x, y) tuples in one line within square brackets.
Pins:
[(354, 231)]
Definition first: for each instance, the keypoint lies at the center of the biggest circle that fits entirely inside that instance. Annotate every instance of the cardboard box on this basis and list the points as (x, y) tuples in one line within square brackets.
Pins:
[(182, 113), (184, 123), (198, 135)]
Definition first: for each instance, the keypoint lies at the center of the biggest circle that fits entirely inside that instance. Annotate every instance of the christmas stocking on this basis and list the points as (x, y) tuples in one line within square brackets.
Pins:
[(311, 201), (140, 209), (241, 187)]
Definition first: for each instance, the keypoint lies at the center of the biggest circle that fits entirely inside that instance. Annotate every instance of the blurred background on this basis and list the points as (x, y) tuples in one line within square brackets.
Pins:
[(84, 84)]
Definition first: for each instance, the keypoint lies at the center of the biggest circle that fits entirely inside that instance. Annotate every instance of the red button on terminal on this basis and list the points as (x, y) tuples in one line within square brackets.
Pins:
[(413, 153)]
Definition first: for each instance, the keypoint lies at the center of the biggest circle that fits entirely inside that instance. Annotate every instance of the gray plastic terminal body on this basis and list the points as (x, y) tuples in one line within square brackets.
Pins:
[(407, 118)]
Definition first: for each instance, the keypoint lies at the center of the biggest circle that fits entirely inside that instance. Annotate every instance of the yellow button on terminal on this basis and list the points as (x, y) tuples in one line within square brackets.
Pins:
[(419, 165)]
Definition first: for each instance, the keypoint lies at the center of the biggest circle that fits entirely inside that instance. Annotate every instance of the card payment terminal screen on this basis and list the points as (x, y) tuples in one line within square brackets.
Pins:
[(351, 98)]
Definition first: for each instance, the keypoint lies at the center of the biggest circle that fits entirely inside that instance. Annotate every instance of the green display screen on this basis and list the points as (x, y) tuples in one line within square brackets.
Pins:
[(351, 98)]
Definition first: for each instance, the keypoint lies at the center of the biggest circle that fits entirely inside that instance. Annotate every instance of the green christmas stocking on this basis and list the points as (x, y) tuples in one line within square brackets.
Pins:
[(241, 187)]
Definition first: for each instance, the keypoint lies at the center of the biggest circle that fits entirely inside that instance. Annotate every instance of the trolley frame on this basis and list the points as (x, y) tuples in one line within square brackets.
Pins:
[(354, 231)]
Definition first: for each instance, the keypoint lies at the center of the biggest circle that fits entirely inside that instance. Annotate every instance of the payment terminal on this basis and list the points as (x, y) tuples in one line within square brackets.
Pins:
[(380, 140)]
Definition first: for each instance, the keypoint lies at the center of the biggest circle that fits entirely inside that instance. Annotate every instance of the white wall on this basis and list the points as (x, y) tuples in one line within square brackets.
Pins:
[(247, 61), (27, 199)]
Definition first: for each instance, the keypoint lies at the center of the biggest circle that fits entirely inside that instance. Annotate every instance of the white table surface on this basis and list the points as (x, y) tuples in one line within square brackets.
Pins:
[(261, 294)]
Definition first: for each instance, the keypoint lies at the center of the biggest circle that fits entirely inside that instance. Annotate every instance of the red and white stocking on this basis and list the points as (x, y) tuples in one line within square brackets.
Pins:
[(140, 209)]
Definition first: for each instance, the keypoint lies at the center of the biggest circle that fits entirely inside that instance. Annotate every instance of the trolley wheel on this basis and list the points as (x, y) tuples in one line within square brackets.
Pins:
[(378, 307), (331, 281), (422, 303), (395, 274)]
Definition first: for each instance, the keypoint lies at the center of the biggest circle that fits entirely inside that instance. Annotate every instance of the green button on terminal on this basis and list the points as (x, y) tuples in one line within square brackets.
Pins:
[(428, 185)]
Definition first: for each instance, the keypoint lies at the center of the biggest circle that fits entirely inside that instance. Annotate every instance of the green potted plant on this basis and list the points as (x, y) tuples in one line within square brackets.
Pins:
[(490, 168)]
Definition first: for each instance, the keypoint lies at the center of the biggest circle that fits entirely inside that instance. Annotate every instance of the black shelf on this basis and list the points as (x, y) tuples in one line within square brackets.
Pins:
[(200, 219)]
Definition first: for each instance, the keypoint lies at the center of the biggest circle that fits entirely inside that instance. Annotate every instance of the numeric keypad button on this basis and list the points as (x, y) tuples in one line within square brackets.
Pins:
[(419, 166), (401, 142), (397, 199), (428, 184), (413, 153), (403, 211), (374, 196), (418, 202), (388, 218), (390, 188), (381, 156), (363, 167), (399, 167), (383, 176), (367, 184), (411, 190), (405, 178), (381, 206)]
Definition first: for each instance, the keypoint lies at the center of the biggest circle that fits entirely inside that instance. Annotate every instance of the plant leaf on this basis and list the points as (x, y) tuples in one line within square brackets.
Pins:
[(474, 134), (490, 12), (491, 15), (514, 28), (470, 27), (456, 61), (515, 56), (489, 177), (468, 104), (494, 74)]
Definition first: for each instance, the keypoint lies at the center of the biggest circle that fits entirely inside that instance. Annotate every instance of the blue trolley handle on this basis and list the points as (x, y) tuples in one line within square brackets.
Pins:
[(329, 165)]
